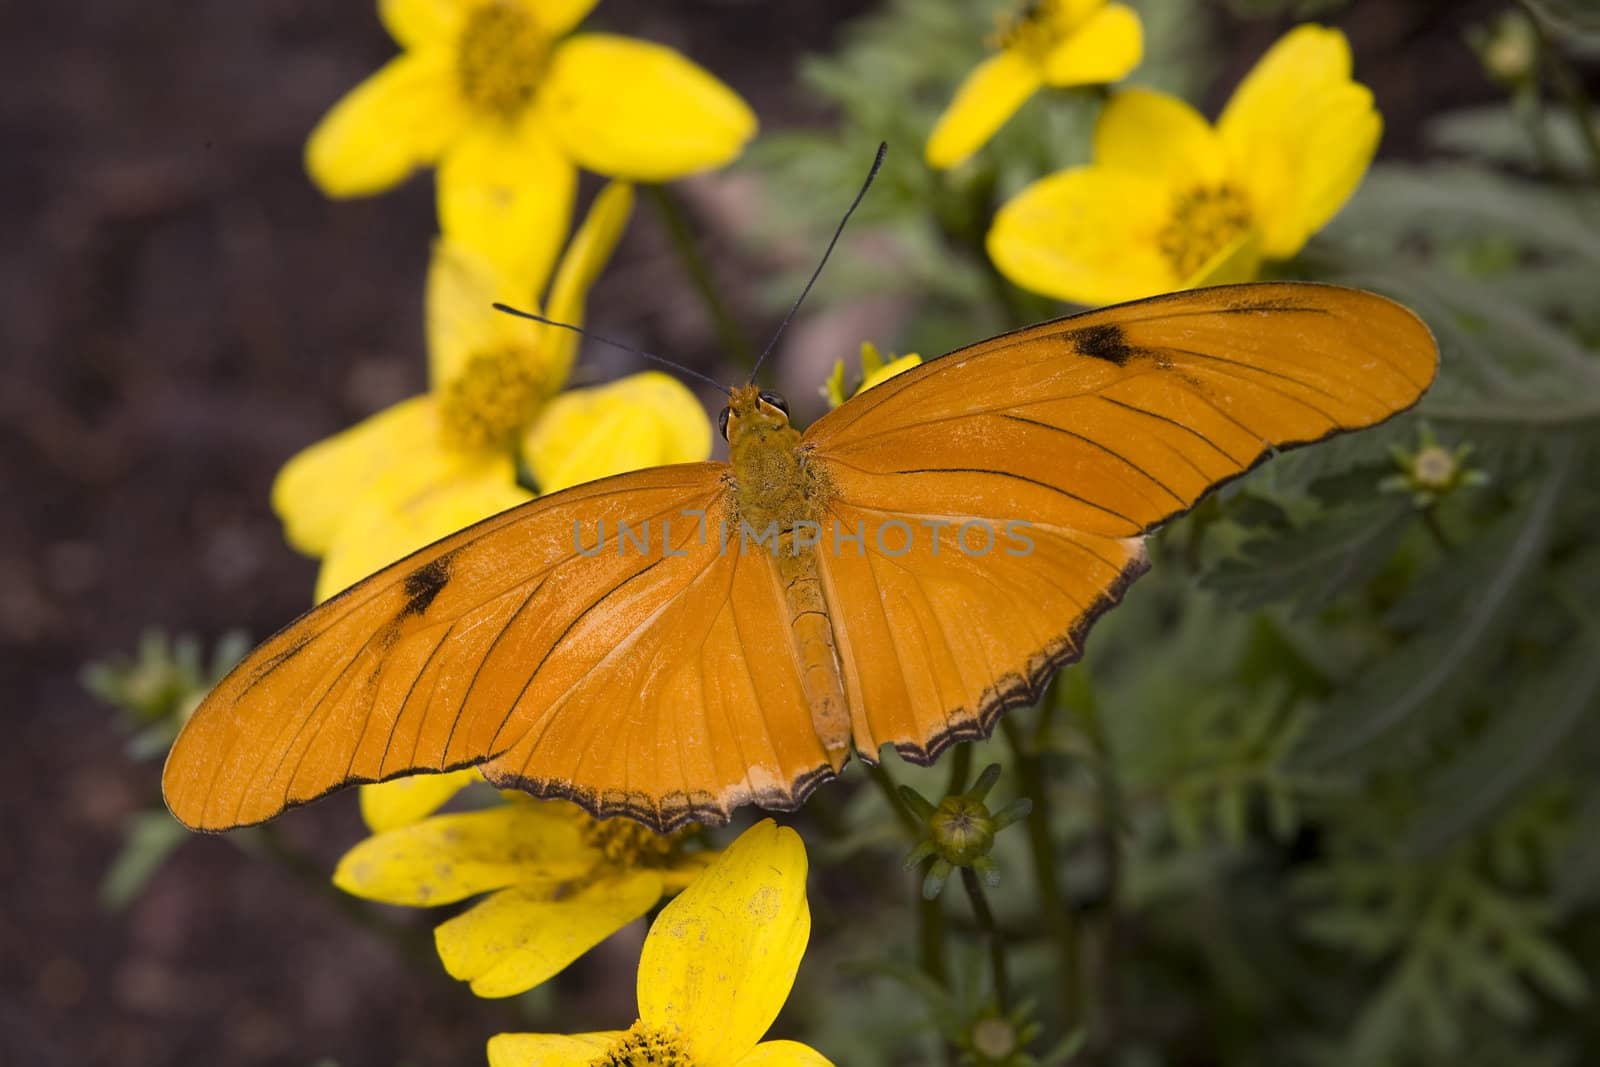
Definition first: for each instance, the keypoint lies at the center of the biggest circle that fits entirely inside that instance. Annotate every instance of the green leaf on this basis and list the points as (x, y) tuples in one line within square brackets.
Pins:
[(1516, 750), (1311, 565), (1404, 682)]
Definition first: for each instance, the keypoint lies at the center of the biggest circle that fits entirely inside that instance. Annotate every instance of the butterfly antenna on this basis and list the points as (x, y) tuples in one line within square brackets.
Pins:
[(580, 331), (883, 148)]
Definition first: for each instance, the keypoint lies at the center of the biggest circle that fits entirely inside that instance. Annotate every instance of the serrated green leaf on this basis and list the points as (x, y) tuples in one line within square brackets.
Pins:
[(1403, 684), (1516, 750), (1311, 565), (1452, 201)]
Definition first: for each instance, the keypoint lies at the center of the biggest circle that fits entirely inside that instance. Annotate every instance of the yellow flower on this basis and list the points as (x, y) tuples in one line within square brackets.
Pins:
[(716, 968), (558, 881), (646, 420), (435, 463), (874, 370), (1171, 202), (498, 94), (1051, 42)]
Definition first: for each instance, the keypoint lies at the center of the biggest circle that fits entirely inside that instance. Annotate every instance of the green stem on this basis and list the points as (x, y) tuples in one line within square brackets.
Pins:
[(735, 342), (930, 936), (1430, 522), (960, 767), (1103, 1017), (1057, 916), (930, 913), (997, 945), (908, 822)]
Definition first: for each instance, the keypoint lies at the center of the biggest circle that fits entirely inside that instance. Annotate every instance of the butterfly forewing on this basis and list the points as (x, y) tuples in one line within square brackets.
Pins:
[(489, 637)]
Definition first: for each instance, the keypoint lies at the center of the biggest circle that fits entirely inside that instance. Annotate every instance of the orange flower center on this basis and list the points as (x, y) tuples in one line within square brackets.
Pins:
[(645, 1046), (1204, 221), (628, 844), (496, 394), (500, 57)]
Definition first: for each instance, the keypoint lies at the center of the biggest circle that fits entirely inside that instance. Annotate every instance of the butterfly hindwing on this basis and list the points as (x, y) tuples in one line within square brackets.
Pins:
[(685, 719), (948, 619)]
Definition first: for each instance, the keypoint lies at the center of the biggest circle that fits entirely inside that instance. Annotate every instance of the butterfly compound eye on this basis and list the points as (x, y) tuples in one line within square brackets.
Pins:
[(722, 423), (776, 401)]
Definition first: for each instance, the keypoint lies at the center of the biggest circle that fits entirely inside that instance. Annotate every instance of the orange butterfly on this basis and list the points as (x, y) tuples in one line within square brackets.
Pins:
[(673, 643)]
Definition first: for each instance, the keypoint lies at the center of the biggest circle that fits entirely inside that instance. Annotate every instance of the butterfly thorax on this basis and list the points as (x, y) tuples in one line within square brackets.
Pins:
[(773, 484), (770, 479)]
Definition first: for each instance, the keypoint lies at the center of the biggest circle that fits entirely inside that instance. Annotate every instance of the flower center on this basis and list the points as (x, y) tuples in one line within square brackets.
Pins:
[(1204, 221), (492, 399), (1033, 30), (500, 57), (994, 1039), (628, 844), (1434, 468), (644, 1046)]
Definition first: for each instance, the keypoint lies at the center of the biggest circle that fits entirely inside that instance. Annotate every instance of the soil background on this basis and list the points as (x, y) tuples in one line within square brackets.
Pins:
[(180, 311)]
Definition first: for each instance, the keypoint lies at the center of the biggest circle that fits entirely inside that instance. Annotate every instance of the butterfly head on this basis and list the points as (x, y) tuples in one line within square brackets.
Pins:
[(752, 410)]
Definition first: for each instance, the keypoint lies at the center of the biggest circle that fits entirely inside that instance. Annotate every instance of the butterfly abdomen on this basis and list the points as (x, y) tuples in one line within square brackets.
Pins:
[(815, 654)]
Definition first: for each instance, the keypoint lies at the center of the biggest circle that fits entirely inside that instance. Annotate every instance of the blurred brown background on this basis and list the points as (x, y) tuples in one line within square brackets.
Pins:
[(181, 311)]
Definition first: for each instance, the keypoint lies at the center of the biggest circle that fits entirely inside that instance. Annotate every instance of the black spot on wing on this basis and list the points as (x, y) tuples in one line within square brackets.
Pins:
[(424, 584), (1106, 341)]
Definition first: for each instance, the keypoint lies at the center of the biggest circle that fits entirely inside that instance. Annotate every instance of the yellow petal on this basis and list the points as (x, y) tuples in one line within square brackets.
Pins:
[(637, 110), (557, 17), (452, 857), (459, 315), (423, 22), (399, 119), (833, 388), (549, 1050), (1301, 135), (871, 359), (685, 868), (988, 96), (1108, 45), (1340, 144), (1237, 261), (645, 420), (1303, 63), (1067, 15), (784, 1054), (589, 252), (720, 959), (1160, 137), (312, 492), (516, 939), (889, 370), (391, 805), (1088, 235), (506, 191), (399, 515)]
